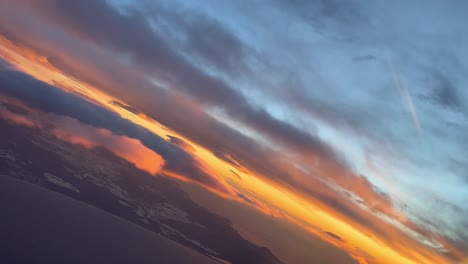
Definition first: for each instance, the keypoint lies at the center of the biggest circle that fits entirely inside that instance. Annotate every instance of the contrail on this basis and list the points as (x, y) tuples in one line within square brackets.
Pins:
[(406, 97)]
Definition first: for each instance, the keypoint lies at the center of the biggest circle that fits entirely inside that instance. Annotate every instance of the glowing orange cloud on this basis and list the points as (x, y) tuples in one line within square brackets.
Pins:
[(70, 130), (16, 119), (129, 149)]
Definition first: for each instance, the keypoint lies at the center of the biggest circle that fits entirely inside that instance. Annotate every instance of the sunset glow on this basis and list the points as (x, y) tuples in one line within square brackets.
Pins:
[(349, 195)]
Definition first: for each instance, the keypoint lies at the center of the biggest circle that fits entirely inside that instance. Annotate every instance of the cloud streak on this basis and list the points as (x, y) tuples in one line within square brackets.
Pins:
[(406, 97)]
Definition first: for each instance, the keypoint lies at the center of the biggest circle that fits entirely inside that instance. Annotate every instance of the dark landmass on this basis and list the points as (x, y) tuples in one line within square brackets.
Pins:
[(98, 178), (41, 226)]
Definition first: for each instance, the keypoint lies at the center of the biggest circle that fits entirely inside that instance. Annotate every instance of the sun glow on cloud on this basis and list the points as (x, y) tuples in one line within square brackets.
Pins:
[(126, 148), (70, 130), (273, 198)]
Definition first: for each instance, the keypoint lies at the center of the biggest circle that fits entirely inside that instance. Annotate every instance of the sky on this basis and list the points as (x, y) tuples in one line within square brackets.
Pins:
[(345, 118)]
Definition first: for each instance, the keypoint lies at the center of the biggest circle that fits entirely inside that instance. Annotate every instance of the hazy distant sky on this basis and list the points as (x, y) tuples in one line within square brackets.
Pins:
[(354, 108)]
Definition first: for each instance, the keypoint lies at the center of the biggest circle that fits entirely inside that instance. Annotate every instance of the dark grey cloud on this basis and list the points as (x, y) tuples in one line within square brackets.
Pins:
[(228, 157), (126, 107), (212, 42), (335, 236), (5, 65), (206, 38), (248, 200), (333, 18), (459, 167), (444, 92), (361, 58), (181, 143), (236, 174)]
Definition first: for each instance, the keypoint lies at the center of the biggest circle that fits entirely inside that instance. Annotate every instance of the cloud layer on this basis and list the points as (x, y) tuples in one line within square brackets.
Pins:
[(343, 106)]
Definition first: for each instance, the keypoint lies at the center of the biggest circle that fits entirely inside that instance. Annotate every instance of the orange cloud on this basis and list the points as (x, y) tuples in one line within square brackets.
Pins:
[(70, 130), (129, 149), (15, 118)]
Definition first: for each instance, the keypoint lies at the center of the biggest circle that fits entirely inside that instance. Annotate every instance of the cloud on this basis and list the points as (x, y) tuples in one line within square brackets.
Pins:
[(128, 149), (181, 143), (335, 236), (126, 107), (444, 92), (70, 130), (405, 97), (15, 118), (362, 58), (205, 38)]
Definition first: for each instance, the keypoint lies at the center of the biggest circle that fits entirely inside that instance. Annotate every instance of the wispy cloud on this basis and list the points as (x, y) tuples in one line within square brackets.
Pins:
[(405, 97)]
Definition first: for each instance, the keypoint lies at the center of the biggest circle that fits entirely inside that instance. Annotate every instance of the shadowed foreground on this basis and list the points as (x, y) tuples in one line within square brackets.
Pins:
[(40, 226)]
